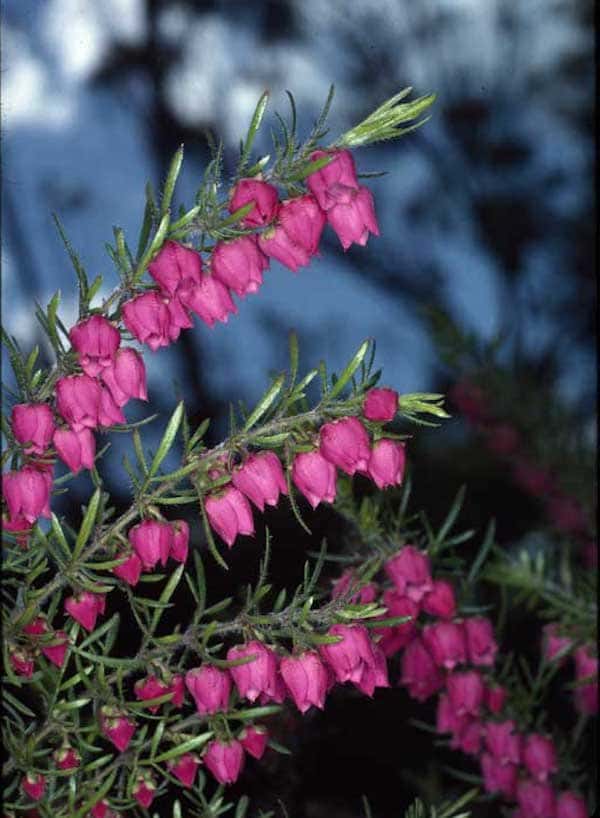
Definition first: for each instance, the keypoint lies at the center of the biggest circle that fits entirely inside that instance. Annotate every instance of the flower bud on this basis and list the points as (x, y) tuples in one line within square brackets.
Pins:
[(34, 785), (396, 637), (22, 662), (210, 688), (349, 657), (125, 378), (257, 677), (67, 758), (380, 405), (148, 319), (174, 267), (78, 401), (144, 791), (345, 443), (535, 800), (410, 573), (27, 494), (84, 608), (440, 601), (151, 540), (177, 687), (263, 195), (362, 594), (336, 182), (586, 667), (539, 756), (446, 643), (116, 727), (386, 464), (314, 477), (481, 644), (33, 424), (466, 691), (470, 400), (254, 740), (570, 805), (306, 679), (502, 439), (130, 570), (77, 450), (95, 340), (261, 479), (184, 768), (180, 540), (229, 513), (56, 650), (239, 264), (497, 777), (495, 696), (150, 688), (37, 627), (502, 742), (209, 299), (555, 646), (101, 810), (419, 672), (354, 220), (225, 760)]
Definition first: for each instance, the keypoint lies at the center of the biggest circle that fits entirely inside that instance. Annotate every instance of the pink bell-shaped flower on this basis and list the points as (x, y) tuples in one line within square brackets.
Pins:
[(77, 450), (254, 739), (446, 643), (539, 756), (27, 493), (84, 608), (185, 768), (96, 341), (229, 514), (225, 760), (258, 676), (380, 404), (239, 264), (34, 785), (125, 378), (174, 267), (503, 742), (261, 479), (151, 541), (306, 679), (354, 220), (78, 401), (130, 570), (345, 443), (314, 477), (498, 777), (481, 644), (148, 319), (116, 727), (150, 688), (264, 197), (440, 601), (210, 688), (409, 571), (419, 672), (336, 182), (386, 463), (180, 540), (33, 424)]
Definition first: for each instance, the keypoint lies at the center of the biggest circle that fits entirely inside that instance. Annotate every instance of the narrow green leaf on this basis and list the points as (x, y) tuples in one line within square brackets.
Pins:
[(184, 747), (265, 403), (255, 122), (171, 180), (88, 523), (166, 595), (350, 369), (167, 440)]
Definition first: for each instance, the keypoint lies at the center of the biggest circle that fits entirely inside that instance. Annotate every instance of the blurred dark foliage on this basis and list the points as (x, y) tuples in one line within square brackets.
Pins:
[(487, 166)]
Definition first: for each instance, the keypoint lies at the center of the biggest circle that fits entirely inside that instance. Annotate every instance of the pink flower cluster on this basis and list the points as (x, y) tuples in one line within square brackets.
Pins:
[(84, 402), (288, 231), (152, 542), (559, 648), (343, 443), (40, 638), (563, 511), (455, 657)]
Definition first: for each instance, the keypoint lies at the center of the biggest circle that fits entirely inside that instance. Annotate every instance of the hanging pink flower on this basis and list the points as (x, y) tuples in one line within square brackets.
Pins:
[(354, 220), (261, 479), (239, 264), (225, 760), (77, 450), (229, 514), (33, 424), (314, 477), (264, 197), (96, 341), (380, 404), (345, 443), (336, 182)]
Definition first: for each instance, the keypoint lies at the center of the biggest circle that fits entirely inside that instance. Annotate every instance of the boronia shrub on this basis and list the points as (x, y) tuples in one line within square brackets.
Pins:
[(93, 733)]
